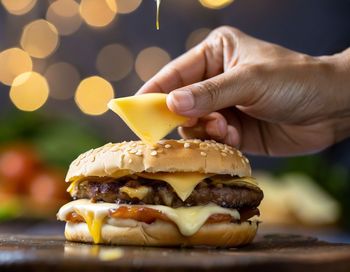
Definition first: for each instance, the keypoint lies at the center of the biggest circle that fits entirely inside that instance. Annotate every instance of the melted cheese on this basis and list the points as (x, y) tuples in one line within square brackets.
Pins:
[(183, 183), (147, 116), (188, 219), (139, 192), (94, 220), (72, 186), (234, 181)]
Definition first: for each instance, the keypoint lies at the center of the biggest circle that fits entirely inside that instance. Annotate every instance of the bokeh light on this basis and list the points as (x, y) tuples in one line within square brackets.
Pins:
[(64, 14), (29, 91), (98, 13), (127, 6), (215, 4), (63, 79), (13, 62), (114, 62), (149, 61), (93, 94), (39, 38), (196, 37), (18, 7)]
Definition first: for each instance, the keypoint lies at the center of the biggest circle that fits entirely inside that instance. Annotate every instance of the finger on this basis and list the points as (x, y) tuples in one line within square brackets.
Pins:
[(187, 69), (232, 88), (191, 122), (212, 126), (215, 126)]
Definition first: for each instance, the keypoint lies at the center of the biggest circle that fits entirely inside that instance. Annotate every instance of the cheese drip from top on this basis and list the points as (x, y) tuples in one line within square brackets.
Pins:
[(188, 219)]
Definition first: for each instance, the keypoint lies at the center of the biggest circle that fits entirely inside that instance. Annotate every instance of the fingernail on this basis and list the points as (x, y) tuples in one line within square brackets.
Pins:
[(182, 100), (221, 127), (230, 138)]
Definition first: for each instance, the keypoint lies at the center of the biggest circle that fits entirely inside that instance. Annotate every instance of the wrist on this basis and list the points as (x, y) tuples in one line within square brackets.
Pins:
[(340, 93)]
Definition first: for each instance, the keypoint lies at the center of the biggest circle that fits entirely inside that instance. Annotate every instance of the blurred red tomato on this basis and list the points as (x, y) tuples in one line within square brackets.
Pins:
[(18, 163), (47, 186)]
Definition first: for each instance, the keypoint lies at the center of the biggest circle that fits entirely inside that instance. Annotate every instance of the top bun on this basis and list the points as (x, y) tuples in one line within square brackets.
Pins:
[(113, 160)]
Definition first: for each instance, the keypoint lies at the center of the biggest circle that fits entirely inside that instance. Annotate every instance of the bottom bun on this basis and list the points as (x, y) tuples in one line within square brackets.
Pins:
[(161, 233)]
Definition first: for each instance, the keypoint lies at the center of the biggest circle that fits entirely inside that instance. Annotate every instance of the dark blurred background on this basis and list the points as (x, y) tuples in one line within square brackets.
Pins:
[(61, 61)]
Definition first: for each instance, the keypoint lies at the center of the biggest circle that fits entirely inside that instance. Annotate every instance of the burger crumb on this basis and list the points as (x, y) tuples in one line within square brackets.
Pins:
[(154, 153), (167, 146)]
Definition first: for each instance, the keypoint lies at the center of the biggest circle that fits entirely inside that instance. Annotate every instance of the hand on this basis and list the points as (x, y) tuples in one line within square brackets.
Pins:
[(258, 96)]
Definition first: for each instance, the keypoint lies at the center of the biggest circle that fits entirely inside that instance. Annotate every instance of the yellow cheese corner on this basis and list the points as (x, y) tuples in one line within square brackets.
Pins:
[(147, 115)]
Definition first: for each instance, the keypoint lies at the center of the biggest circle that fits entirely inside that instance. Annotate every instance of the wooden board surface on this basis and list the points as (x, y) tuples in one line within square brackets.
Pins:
[(268, 253)]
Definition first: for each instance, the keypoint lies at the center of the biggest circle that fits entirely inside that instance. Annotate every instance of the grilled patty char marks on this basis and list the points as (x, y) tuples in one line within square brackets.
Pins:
[(161, 193)]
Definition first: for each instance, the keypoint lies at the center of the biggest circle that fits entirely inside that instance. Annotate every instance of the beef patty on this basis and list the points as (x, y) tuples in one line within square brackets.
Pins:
[(160, 193)]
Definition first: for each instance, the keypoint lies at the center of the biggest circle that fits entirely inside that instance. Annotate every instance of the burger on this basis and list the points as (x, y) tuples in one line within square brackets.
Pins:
[(174, 193)]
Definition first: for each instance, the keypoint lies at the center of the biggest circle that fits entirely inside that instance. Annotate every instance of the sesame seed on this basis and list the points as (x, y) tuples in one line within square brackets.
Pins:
[(223, 154), (246, 160), (130, 160), (115, 148), (187, 145), (133, 145), (196, 141), (230, 151), (133, 151), (167, 146), (203, 146), (203, 154), (154, 153), (242, 161), (239, 153), (139, 153)]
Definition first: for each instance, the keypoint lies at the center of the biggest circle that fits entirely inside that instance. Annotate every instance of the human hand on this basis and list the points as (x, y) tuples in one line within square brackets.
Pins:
[(258, 96)]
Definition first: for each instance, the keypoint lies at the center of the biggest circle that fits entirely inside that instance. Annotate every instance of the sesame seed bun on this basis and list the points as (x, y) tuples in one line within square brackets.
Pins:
[(111, 160), (161, 233)]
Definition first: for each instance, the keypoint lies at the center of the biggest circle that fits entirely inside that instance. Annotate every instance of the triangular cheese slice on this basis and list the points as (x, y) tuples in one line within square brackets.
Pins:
[(147, 115), (183, 183)]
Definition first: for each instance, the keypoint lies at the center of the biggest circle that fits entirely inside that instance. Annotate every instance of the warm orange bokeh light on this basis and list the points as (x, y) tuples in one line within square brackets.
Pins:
[(215, 4), (149, 61), (98, 13), (63, 79), (64, 14), (93, 94), (39, 38), (128, 6), (114, 62), (196, 37), (13, 62), (18, 7), (29, 91)]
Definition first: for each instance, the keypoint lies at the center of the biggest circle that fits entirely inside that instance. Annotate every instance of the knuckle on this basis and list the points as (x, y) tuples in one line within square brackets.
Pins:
[(208, 92)]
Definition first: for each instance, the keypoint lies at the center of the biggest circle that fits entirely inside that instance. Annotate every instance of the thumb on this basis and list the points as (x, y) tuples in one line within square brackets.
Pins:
[(225, 90)]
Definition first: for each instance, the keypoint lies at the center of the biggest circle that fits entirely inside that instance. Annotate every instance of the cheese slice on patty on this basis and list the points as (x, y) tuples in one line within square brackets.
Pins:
[(183, 183)]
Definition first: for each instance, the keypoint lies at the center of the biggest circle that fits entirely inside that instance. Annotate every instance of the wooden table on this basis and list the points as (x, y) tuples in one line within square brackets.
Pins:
[(271, 252)]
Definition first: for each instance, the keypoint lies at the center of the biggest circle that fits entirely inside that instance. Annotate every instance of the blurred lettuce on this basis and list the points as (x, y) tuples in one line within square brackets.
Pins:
[(57, 139)]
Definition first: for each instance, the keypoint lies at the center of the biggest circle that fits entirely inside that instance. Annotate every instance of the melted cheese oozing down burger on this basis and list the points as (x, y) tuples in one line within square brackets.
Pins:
[(175, 193)]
